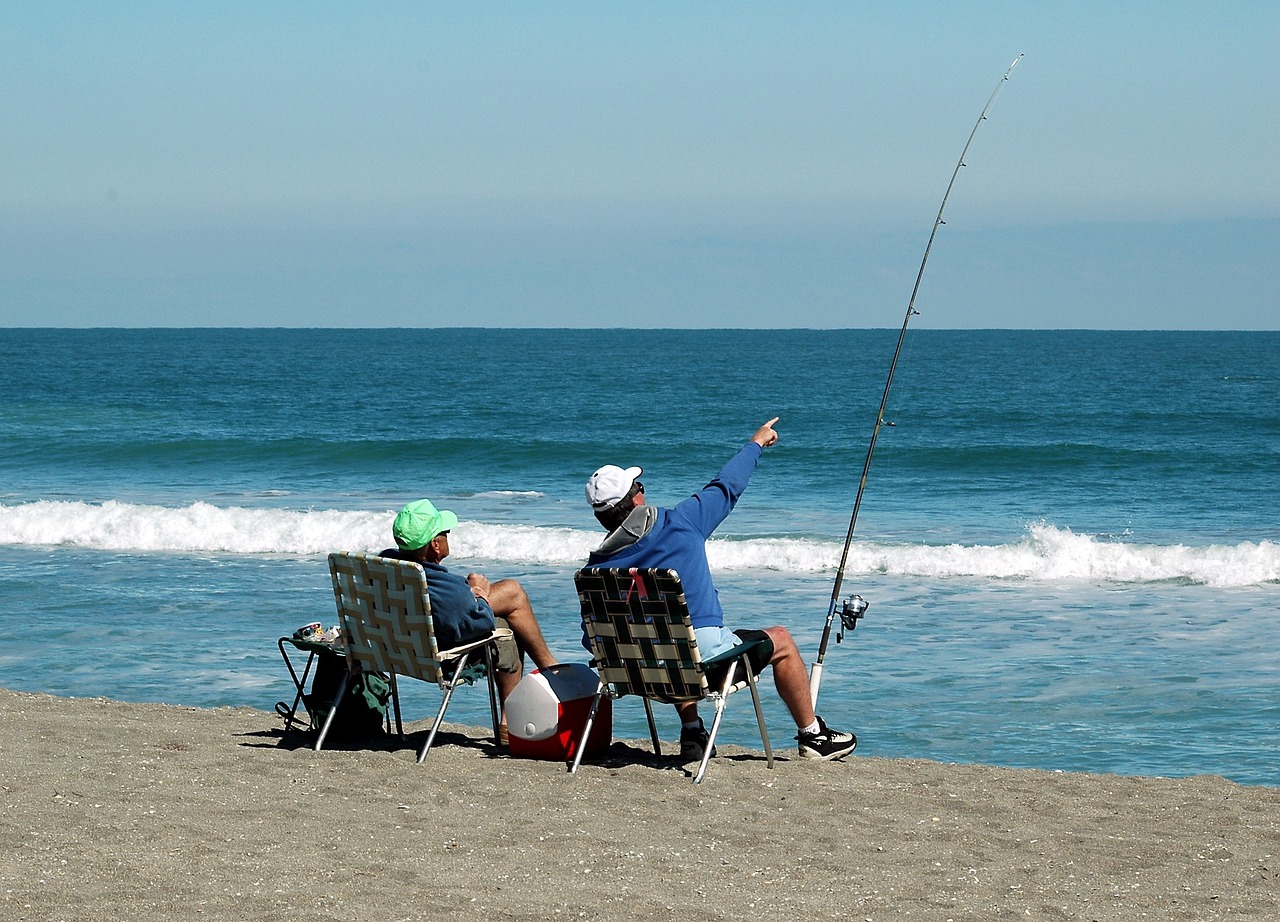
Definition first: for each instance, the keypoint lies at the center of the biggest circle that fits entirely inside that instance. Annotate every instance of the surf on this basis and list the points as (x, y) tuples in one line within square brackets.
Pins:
[(1045, 552)]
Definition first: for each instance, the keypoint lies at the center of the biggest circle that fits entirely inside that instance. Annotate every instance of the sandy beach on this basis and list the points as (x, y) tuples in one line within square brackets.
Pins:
[(149, 812)]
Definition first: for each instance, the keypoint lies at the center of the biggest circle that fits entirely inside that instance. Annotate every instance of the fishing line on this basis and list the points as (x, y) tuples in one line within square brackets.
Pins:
[(854, 607)]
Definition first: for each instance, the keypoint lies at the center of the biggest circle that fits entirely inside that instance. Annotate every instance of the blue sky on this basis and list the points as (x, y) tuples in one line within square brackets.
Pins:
[(649, 165)]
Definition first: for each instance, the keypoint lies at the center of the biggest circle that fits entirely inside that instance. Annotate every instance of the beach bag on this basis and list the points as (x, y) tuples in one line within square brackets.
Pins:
[(364, 707)]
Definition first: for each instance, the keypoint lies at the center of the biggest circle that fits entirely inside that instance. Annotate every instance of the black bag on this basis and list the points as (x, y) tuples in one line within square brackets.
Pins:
[(364, 707)]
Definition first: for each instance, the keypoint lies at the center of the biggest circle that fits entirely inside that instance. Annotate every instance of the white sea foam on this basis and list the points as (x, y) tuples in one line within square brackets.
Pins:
[(195, 528), (1045, 552)]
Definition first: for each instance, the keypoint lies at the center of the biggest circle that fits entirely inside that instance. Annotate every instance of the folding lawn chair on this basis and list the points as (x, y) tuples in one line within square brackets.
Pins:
[(386, 622), (642, 643)]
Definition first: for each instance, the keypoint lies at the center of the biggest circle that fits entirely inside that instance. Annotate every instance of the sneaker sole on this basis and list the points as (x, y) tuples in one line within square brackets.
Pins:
[(828, 757)]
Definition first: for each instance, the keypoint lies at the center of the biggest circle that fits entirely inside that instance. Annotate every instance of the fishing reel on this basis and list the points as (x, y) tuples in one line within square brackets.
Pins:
[(851, 612)]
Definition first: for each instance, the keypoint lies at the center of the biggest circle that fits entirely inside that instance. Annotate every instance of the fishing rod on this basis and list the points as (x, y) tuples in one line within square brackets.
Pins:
[(855, 607)]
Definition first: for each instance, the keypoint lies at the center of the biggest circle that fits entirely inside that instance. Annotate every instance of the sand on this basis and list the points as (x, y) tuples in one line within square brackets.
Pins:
[(150, 812)]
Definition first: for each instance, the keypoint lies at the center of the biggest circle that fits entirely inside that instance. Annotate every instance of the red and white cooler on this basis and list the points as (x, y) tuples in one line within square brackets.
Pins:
[(548, 709)]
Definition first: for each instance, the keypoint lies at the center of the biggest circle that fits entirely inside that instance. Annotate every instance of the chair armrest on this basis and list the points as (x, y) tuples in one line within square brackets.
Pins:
[(732, 653), (454, 652)]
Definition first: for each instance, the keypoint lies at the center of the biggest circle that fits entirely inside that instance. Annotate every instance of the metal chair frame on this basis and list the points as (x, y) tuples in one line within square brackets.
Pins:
[(385, 612), (642, 643)]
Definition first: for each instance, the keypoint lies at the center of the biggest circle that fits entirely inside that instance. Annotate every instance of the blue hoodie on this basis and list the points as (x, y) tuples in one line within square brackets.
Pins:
[(677, 539)]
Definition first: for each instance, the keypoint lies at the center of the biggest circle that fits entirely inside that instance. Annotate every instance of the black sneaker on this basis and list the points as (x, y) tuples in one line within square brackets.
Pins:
[(826, 744), (693, 743)]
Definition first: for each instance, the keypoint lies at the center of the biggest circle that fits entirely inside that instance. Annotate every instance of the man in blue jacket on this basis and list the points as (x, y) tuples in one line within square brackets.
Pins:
[(464, 609), (647, 536)]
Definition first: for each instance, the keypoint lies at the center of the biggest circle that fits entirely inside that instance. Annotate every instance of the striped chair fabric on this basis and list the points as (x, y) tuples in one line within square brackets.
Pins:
[(385, 612), (640, 633), (642, 643)]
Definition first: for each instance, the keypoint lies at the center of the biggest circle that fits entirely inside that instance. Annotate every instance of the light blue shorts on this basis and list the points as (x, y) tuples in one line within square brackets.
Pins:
[(712, 641)]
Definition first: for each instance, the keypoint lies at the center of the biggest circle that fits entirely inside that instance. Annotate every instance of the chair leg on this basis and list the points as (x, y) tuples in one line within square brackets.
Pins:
[(333, 710), (715, 723), (290, 714), (395, 704), (653, 728), (447, 688), (764, 733), (586, 730), (491, 662)]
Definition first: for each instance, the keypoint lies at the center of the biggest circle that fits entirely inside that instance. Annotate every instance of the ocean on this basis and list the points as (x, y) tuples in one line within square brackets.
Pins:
[(1069, 539)]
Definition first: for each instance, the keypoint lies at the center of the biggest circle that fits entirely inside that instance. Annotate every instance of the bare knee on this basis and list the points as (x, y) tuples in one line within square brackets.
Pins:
[(507, 596), (784, 645)]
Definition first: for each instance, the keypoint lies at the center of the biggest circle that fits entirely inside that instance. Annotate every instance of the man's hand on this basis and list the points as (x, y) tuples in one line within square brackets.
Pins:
[(479, 586), (765, 436)]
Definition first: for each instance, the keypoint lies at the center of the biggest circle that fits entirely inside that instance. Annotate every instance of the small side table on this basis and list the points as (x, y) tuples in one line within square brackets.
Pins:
[(312, 648)]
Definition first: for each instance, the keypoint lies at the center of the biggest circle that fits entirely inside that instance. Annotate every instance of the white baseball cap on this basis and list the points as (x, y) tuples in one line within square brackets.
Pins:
[(610, 484)]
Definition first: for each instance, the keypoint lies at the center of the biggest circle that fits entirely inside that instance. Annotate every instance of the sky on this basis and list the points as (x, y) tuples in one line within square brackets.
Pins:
[(658, 164)]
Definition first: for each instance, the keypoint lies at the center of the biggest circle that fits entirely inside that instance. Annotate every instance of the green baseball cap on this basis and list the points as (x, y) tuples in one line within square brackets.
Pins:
[(417, 523)]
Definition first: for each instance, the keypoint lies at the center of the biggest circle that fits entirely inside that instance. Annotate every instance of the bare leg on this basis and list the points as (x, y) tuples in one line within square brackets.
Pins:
[(790, 676), (509, 600), (506, 682)]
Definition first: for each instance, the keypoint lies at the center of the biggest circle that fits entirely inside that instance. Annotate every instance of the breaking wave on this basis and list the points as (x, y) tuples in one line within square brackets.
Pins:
[(1043, 553)]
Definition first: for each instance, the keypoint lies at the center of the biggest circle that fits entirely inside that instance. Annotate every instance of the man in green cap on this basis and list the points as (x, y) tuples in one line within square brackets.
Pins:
[(463, 609)]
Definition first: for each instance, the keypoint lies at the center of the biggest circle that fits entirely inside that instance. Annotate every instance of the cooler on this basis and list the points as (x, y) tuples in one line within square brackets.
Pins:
[(548, 709)]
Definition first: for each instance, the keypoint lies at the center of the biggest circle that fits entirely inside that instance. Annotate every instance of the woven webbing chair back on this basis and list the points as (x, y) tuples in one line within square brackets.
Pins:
[(637, 622), (386, 614)]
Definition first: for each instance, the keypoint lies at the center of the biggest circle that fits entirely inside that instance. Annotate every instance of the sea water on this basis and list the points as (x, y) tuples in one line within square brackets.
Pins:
[(1068, 539)]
